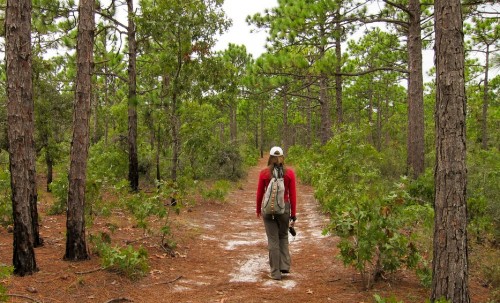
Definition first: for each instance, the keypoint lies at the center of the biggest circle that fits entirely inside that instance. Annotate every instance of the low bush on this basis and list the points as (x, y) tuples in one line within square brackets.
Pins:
[(5, 272), (131, 262), (377, 220), (5, 198), (216, 192)]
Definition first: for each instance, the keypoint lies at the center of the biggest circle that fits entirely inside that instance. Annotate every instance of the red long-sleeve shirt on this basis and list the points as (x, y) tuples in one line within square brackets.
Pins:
[(290, 189)]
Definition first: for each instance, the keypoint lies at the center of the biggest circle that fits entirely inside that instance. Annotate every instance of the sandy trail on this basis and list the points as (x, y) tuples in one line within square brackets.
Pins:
[(236, 242)]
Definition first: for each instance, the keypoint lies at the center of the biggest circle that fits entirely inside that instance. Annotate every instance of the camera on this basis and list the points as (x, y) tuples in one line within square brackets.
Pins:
[(292, 231)]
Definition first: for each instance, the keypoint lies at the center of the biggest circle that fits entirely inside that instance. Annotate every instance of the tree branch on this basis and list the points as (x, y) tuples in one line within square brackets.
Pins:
[(112, 74), (401, 7), (23, 296), (404, 71)]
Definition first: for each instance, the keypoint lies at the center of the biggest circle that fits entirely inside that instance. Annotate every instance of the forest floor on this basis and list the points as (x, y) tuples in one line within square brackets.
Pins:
[(221, 256)]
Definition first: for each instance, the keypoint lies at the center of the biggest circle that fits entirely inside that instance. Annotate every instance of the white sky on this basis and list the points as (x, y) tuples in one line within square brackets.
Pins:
[(239, 33)]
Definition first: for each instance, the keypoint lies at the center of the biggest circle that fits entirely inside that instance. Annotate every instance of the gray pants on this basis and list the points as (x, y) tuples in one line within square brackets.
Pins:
[(277, 242)]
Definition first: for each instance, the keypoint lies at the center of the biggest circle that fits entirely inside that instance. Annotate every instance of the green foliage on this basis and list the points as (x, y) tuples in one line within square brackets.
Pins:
[(375, 218), (131, 262), (391, 299), (304, 162), (422, 189), (59, 188), (483, 200), (226, 163), (107, 163), (142, 206), (5, 198), (492, 274), (216, 192), (5, 272), (249, 154)]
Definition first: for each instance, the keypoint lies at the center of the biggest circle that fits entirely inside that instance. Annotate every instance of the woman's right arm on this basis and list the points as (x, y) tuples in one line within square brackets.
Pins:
[(260, 194)]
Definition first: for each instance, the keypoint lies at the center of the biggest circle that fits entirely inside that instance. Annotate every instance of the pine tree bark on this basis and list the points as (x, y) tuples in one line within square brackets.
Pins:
[(50, 164), (338, 68), (415, 139), (76, 247), (286, 127), (261, 115), (133, 164), (326, 120), (450, 260), (484, 117), (20, 130), (233, 126)]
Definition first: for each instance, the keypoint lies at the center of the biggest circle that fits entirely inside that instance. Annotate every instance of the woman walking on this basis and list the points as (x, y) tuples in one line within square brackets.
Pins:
[(277, 225)]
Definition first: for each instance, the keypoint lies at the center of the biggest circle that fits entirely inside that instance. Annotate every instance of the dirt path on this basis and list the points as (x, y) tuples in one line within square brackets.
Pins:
[(221, 257), (227, 262)]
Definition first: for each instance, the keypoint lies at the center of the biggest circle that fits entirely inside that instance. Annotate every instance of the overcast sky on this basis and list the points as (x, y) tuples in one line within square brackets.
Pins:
[(239, 33)]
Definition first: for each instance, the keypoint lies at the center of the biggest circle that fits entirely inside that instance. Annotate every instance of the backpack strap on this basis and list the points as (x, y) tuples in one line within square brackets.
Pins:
[(278, 171)]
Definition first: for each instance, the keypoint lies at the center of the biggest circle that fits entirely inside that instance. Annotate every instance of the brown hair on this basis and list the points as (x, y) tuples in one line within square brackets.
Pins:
[(275, 161)]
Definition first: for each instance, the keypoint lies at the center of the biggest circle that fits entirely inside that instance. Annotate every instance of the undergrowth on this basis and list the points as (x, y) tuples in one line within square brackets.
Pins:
[(5, 272), (128, 261)]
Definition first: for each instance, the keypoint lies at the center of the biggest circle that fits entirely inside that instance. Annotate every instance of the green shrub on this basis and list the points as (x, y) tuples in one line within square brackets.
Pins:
[(304, 161), (5, 272), (483, 195), (5, 198), (492, 274), (142, 206), (131, 262), (391, 299), (107, 163), (93, 205), (226, 163), (375, 217), (249, 154), (422, 189), (217, 192), (59, 188)]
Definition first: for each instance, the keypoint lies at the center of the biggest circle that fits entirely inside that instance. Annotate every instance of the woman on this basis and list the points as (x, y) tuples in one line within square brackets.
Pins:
[(277, 225)]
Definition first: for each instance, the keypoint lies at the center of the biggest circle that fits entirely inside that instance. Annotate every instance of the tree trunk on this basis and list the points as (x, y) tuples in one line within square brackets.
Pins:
[(20, 133), (175, 120), (415, 139), (326, 121), (133, 165), (338, 67), (106, 103), (484, 122), (50, 164), (378, 140), (158, 150), (232, 123), (286, 130), (95, 126), (76, 248), (450, 260), (262, 127), (309, 132)]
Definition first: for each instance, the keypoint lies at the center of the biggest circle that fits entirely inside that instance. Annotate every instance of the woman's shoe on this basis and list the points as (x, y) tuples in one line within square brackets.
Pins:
[(271, 277)]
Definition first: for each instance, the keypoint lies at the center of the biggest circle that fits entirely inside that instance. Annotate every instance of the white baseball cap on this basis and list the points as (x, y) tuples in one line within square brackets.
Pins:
[(276, 151)]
